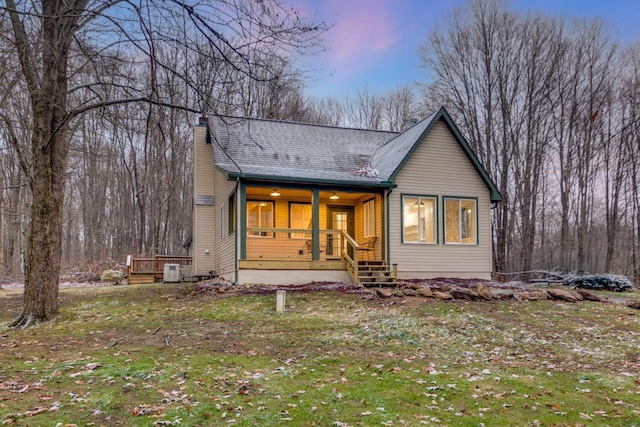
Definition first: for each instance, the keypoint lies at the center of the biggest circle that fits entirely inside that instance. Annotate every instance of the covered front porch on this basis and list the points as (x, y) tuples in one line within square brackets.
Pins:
[(318, 233)]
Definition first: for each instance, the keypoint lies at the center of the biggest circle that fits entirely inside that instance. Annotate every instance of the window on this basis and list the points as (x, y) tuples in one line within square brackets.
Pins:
[(460, 222), (222, 236), (232, 213), (260, 215), (369, 218), (300, 217), (419, 219)]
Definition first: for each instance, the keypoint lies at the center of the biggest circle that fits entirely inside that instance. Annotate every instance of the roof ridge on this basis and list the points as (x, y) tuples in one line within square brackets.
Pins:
[(303, 123), (399, 134)]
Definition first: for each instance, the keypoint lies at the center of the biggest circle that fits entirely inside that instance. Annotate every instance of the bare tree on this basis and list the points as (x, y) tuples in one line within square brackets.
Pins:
[(58, 43), (463, 56), (399, 108), (530, 92)]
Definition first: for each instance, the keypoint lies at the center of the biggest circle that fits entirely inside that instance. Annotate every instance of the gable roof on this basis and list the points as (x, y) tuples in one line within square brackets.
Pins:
[(297, 152), (390, 157)]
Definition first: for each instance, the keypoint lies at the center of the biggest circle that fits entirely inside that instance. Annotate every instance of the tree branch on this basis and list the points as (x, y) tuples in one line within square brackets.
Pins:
[(27, 61)]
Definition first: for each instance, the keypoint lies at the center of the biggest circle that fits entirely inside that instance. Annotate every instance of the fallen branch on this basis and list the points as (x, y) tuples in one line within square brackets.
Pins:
[(546, 273)]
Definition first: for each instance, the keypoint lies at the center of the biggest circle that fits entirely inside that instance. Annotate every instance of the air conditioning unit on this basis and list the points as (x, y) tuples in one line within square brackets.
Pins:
[(171, 273), (186, 273)]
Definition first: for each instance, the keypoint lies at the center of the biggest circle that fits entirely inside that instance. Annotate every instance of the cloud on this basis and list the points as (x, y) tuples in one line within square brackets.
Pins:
[(363, 30)]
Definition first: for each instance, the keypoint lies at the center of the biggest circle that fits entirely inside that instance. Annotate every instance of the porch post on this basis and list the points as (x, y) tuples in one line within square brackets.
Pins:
[(315, 220)]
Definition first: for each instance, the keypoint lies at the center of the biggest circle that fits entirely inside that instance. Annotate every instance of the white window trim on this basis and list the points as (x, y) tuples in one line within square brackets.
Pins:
[(266, 234), (222, 216), (435, 219), (444, 220), (306, 236), (366, 224)]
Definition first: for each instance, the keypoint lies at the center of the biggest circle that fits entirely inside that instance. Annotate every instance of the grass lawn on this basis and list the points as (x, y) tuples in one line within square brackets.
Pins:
[(164, 355)]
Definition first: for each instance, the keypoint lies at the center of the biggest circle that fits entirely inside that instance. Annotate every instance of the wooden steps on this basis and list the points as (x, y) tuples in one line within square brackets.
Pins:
[(141, 278), (375, 273)]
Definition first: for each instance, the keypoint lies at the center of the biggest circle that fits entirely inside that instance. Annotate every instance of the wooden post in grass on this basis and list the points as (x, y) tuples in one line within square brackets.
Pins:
[(280, 301)]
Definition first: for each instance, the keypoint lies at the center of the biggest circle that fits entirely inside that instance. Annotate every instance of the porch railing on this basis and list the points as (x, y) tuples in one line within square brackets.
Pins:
[(291, 243), (297, 244)]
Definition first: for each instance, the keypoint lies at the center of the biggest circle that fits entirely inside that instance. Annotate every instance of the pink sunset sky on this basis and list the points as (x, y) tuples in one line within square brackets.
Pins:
[(374, 43)]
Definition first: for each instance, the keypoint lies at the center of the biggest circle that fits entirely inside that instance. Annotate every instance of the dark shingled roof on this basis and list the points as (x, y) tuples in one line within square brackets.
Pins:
[(270, 148)]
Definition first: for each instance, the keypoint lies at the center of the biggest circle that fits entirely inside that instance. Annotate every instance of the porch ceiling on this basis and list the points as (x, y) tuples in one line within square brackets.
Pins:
[(300, 194)]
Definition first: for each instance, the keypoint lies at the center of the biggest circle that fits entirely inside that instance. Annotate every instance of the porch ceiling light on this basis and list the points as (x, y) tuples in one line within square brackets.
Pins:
[(334, 196), (275, 193)]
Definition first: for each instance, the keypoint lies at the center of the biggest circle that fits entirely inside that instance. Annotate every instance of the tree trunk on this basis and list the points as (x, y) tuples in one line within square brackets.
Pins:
[(42, 270), (49, 146)]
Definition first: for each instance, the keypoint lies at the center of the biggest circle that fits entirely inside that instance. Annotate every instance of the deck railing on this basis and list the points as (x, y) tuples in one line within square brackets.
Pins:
[(156, 264)]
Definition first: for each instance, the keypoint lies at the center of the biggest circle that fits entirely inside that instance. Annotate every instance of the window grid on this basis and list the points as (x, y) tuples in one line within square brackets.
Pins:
[(460, 220), (260, 214), (300, 216), (419, 214), (369, 218)]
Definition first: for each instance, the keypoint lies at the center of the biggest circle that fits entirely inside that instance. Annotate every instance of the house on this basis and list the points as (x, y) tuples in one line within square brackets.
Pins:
[(281, 203)]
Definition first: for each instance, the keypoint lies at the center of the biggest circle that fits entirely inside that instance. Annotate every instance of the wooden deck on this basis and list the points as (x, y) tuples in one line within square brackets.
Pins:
[(151, 270), (281, 264)]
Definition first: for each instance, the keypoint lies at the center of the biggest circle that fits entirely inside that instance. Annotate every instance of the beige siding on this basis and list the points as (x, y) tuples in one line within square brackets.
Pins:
[(213, 247), (225, 257), (203, 250), (203, 240), (439, 167), (202, 163)]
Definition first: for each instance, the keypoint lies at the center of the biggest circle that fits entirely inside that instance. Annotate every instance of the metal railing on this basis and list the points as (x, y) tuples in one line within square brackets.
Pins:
[(291, 243)]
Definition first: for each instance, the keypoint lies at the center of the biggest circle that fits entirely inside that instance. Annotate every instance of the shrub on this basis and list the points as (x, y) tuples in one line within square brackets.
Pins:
[(115, 276), (608, 282)]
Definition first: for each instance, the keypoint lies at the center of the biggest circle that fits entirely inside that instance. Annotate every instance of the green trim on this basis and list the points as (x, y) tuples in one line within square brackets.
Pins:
[(436, 220), (232, 213), (243, 221), (224, 172), (385, 224), (268, 180), (315, 219), (494, 194), (444, 221)]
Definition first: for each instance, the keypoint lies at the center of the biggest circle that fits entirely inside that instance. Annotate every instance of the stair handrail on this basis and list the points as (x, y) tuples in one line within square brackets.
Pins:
[(351, 263)]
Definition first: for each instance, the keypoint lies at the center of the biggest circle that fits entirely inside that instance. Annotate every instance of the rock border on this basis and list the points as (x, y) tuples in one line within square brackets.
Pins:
[(438, 289), (482, 292)]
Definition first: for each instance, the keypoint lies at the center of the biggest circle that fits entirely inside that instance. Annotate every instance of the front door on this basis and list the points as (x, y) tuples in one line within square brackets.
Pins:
[(339, 218)]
